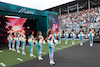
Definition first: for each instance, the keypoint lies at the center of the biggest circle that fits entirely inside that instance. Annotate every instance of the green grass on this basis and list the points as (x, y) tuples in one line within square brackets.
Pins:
[(10, 57)]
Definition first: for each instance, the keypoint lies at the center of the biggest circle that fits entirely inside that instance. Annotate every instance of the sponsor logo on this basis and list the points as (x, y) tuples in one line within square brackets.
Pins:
[(23, 10)]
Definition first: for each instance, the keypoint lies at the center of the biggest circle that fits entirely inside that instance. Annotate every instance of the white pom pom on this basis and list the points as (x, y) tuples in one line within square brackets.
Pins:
[(48, 41), (16, 38), (88, 34), (30, 40), (73, 34), (78, 35), (82, 34), (36, 42), (67, 35), (40, 41), (20, 38), (23, 39), (92, 34), (56, 41), (33, 41), (44, 42)]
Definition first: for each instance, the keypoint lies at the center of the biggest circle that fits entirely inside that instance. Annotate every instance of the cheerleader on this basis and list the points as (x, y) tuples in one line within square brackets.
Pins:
[(31, 42), (91, 34), (52, 44), (17, 42), (59, 36), (13, 41), (73, 36), (10, 38), (23, 42), (39, 38), (66, 36), (80, 35)]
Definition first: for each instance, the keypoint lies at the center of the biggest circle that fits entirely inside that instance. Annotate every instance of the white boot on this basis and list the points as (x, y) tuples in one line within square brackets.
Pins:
[(65, 42), (23, 53), (13, 50), (52, 62), (81, 44), (31, 55), (18, 51), (73, 43), (91, 44), (40, 58), (10, 49)]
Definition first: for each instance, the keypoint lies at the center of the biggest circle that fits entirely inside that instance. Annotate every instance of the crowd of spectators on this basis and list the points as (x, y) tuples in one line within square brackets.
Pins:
[(85, 20)]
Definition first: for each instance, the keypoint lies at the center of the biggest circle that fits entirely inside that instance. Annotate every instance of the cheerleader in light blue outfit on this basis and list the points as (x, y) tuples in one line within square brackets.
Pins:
[(59, 36), (17, 42), (23, 42), (31, 43), (73, 36), (52, 42), (66, 36), (80, 35), (39, 39), (91, 35), (13, 41), (10, 38)]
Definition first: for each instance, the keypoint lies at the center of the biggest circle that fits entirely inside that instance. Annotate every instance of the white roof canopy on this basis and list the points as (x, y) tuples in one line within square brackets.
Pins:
[(37, 4)]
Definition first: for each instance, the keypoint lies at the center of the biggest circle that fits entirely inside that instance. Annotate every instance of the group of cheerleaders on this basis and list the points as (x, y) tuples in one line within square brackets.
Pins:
[(52, 39)]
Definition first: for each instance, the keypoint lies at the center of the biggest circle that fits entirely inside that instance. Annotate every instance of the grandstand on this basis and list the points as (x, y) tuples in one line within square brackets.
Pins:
[(79, 14)]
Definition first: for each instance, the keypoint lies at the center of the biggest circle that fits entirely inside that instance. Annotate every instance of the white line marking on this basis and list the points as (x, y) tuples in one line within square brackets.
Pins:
[(58, 48), (43, 53), (2, 64), (19, 59), (1, 51)]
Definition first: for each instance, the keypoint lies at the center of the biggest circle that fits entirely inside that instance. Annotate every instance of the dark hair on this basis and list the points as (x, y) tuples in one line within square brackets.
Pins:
[(89, 29), (72, 30)]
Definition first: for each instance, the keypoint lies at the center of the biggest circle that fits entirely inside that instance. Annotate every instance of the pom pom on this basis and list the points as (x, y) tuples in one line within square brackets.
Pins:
[(78, 35), (44, 42), (48, 41), (16, 38), (33, 41), (30, 40), (36, 42), (55, 41), (92, 34), (88, 34)]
